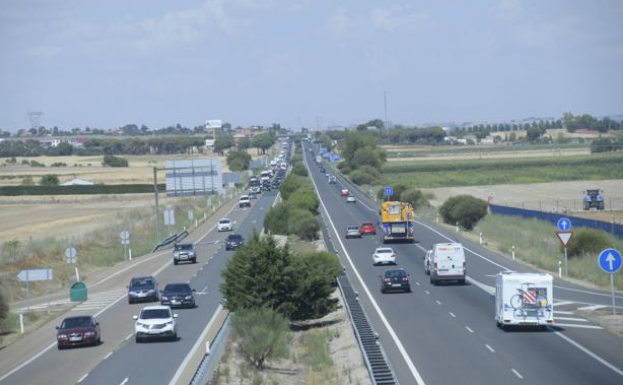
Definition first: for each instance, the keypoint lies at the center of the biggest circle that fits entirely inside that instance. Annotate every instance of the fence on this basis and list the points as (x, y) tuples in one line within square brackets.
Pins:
[(563, 205), (610, 227)]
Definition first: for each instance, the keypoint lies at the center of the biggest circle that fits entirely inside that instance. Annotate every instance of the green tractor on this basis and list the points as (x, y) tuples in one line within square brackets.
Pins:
[(594, 198)]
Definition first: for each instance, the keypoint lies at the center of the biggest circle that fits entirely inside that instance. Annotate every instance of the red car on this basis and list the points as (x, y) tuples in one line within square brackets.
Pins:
[(367, 228), (78, 331), (345, 192)]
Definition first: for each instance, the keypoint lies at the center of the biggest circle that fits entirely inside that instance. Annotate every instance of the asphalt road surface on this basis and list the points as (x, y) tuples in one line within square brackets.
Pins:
[(447, 334)]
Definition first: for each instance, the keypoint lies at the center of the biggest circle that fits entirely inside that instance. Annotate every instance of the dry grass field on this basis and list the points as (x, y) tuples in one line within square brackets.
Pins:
[(495, 155)]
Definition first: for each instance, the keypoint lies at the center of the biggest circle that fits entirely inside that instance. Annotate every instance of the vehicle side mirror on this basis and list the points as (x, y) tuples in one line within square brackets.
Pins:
[(174, 315), (194, 290), (58, 327), (97, 324), (134, 317)]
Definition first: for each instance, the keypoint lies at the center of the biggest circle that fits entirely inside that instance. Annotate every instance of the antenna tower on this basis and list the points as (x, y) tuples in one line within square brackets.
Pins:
[(35, 119)]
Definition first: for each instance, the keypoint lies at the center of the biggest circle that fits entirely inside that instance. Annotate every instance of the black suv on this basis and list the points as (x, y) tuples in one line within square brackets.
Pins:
[(395, 280), (143, 289), (233, 241), (178, 295)]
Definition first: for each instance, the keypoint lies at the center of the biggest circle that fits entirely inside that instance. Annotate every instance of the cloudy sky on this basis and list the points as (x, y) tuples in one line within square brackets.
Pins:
[(298, 62)]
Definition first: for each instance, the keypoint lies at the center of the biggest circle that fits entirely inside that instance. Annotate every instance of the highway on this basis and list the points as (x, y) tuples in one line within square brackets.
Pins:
[(119, 360), (447, 334)]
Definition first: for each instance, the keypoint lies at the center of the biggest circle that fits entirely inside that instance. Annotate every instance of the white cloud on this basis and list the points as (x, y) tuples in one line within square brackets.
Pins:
[(397, 17)]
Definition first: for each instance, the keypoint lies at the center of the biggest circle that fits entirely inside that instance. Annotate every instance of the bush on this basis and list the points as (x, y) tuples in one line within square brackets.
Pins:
[(114, 161), (276, 219), (238, 160), (28, 181), (290, 185), (304, 198), (299, 169), (49, 180), (303, 224), (587, 242), (264, 334), (464, 209), (315, 278), (415, 197), (366, 175)]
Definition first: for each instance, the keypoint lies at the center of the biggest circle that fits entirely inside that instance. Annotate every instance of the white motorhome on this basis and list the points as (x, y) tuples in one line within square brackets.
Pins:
[(445, 262), (524, 299)]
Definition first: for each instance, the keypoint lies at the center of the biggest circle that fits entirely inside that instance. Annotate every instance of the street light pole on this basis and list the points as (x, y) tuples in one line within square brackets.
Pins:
[(157, 210)]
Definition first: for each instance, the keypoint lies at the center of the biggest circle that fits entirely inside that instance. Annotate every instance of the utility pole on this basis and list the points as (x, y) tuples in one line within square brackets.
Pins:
[(385, 103), (157, 211)]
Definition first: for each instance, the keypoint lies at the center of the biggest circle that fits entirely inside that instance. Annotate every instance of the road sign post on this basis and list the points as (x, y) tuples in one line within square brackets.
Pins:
[(610, 261), (34, 275), (388, 191), (564, 234), (124, 237)]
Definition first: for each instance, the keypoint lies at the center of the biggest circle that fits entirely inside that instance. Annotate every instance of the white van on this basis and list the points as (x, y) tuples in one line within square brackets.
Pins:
[(445, 262), (524, 299)]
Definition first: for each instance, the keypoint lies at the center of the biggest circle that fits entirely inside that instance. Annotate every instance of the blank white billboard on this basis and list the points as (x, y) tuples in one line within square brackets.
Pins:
[(194, 177)]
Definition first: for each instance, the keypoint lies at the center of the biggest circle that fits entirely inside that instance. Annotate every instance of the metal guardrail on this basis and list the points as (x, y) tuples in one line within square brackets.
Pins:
[(172, 239), (379, 368), (205, 370)]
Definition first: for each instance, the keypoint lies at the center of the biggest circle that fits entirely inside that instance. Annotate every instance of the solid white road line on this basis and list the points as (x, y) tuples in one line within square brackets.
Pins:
[(563, 312), (83, 377), (128, 337), (578, 326), (595, 356), (569, 319), (469, 329), (392, 333), (486, 288), (198, 343), (106, 357), (490, 349), (517, 374), (563, 303), (587, 292), (140, 261)]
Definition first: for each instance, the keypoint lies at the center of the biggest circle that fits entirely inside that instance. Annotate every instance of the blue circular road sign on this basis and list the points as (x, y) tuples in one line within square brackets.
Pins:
[(610, 260), (564, 224)]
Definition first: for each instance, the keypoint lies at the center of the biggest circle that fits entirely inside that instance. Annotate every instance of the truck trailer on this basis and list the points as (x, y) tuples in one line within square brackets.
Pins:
[(524, 299), (397, 221)]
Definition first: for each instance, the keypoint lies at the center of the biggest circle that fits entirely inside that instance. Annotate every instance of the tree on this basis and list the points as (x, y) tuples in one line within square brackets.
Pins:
[(304, 224), (49, 180), (244, 143), (533, 134), (222, 143), (299, 169), (315, 278), (262, 142), (465, 210), (276, 219), (290, 185), (264, 334), (4, 314), (415, 197), (258, 275), (238, 160), (113, 161)]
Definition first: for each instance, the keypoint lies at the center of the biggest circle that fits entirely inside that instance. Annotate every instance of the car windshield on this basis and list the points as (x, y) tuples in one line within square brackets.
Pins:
[(235, 237), (141, 282), (352, 228), (177, 288), (384, 251), (224, 221), (77, 322), (185, 246), (155, 313), (367, 225), (395, 274)]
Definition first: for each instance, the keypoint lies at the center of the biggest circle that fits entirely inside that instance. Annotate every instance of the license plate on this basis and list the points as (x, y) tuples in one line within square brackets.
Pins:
[(396, 285), (443, 270), (184, 257), (175, 302), (75, 339)]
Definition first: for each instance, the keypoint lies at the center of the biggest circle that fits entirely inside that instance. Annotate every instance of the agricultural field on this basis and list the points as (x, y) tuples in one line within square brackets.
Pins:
[(517, 170)]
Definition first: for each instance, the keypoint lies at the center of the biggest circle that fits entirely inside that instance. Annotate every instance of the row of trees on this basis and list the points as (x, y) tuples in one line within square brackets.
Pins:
[(586, 121)]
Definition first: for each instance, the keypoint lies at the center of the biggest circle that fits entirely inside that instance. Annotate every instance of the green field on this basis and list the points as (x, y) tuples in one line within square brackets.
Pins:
[(451, 173), (424, 152)]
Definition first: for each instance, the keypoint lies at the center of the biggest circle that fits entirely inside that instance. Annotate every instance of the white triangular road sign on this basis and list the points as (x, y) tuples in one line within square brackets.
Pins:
[(564, 236)]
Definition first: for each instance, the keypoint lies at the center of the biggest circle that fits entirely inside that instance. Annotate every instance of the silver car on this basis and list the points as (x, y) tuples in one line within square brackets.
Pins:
[(352, 231)]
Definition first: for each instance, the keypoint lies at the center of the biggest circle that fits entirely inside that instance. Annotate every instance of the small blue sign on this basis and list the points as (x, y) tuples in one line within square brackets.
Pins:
[(336, 158), (563, 224), (389, 191), (610, 260)]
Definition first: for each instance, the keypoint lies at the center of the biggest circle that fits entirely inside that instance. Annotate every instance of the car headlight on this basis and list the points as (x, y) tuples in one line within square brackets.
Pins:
[(189, 297), (151, 290), (133, 293), (169, 323), (165, 298), (142, 325), (62, 336), (89, 334)]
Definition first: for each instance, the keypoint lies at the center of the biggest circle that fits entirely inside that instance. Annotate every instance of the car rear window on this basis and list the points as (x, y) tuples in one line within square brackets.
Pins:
[(353, 227), (367, 224), (395, 274), (224, 221), (384, 251)]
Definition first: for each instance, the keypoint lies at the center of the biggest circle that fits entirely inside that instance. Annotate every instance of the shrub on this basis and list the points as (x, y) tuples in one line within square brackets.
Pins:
[(114, 161), (28, 181), (415, 197), (303, 224), (314, 274), (276, 219), (238, 160), (587, 242), (49, 180), (366, 175), (464, 209), (4, 314), (299, 169), (290, 185), (264, 334), (304, 198)]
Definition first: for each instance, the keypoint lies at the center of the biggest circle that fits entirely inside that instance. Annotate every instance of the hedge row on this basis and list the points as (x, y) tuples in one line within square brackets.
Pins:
[(80, 190)]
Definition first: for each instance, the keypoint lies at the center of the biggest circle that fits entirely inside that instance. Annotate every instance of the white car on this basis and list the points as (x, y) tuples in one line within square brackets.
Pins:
[(351, 199), (384, 256), (155, 322), (225, 225), (244, 201)]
